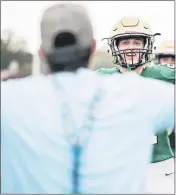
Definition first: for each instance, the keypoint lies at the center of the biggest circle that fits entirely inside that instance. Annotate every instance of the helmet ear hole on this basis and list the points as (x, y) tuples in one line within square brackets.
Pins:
[(117, 41), (145, 41)]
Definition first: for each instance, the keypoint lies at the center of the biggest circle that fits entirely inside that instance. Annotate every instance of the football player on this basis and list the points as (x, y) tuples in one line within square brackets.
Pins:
[(164, 53), (131, 45)]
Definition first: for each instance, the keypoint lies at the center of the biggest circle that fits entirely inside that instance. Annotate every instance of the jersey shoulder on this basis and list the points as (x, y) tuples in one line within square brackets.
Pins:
[(160, 72)]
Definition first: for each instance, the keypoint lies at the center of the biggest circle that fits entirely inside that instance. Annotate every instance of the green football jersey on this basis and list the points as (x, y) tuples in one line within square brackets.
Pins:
[(161, 144)]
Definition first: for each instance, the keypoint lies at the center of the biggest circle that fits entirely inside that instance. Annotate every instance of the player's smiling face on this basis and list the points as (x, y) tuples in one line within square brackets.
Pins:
[(131, 44)]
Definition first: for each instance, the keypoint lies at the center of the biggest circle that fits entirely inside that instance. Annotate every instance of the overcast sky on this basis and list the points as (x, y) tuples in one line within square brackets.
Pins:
[(24, 17)]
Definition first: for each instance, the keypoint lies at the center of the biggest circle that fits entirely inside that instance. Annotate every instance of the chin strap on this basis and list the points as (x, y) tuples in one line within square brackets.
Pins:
[(131, 67)]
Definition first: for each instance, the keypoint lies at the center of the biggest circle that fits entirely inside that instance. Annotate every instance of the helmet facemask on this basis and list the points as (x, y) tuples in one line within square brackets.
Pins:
[(145, 53), (131, 28)]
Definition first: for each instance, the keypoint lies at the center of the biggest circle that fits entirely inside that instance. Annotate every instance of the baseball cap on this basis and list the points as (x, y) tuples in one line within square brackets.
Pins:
[(66, 17)]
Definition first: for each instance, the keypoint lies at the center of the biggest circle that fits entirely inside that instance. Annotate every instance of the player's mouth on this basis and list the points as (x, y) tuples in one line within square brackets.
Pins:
[(131, 54)]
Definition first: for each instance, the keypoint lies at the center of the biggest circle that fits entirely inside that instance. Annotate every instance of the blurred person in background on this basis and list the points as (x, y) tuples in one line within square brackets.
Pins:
[(165, 53), (100, 59), (5, 75), (131, 47), (16, 60), (59, 132)]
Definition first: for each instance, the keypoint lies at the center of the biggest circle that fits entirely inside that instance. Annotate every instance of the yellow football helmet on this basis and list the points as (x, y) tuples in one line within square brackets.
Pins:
[(164, 50), (131, 27)]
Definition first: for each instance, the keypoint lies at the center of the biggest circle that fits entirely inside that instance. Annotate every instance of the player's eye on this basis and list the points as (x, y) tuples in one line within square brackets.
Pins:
[(138, 42), (124, 42)]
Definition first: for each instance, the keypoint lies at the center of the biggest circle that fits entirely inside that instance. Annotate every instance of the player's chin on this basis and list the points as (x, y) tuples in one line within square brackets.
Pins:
[(132, 62)]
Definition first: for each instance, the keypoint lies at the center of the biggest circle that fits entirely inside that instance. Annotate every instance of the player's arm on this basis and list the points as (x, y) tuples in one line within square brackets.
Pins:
[(5, 75), (168, 72), (160, 72)]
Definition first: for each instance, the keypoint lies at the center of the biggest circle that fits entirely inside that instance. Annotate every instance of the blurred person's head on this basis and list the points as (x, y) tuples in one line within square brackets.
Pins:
[(67, 37), (165, 54)]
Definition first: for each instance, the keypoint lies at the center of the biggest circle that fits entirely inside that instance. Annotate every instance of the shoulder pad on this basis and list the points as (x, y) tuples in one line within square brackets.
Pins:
[(161, 72)]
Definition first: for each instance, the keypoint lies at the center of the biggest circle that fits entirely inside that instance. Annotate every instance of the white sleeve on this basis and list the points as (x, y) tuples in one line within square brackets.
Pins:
[(160, 100)]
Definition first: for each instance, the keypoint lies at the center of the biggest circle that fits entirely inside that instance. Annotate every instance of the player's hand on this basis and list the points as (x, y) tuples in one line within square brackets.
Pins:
[(5, 75)]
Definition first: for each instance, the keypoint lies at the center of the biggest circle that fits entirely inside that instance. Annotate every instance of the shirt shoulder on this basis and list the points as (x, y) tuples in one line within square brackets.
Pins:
[(17, 93)]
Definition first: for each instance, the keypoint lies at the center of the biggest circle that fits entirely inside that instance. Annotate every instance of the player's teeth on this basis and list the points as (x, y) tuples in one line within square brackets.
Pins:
[(130, 54)]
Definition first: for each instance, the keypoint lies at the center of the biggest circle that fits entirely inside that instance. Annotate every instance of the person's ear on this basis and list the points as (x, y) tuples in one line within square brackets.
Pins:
[(41, 52), (94, 44)]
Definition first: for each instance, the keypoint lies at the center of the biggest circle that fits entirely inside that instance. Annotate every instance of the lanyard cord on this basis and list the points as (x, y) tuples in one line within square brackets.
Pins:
[(74, 136)]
